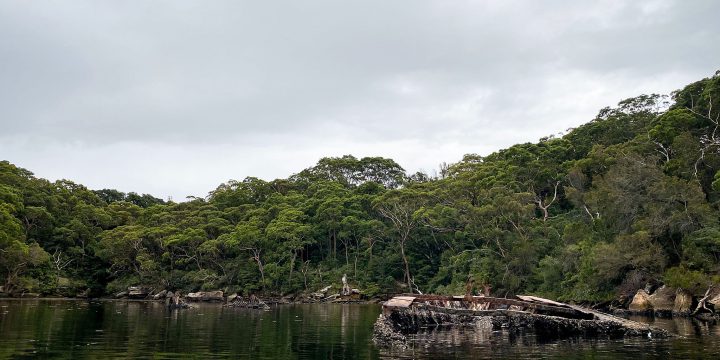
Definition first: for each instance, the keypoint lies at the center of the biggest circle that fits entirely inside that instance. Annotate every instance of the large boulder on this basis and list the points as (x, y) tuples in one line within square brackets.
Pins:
[(206, 296), (683, 303), (663, 300), (321, 293), (137, 292), (714, 300), (640, 302)]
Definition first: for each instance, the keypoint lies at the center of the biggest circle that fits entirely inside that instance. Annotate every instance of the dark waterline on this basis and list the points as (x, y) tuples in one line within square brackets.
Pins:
[(135, 330)]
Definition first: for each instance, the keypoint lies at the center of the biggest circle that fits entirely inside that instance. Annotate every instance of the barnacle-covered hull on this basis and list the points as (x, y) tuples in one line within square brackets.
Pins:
[(404, 316)]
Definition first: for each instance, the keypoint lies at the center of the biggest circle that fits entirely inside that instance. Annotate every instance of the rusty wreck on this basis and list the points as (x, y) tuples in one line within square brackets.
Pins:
[(406, 315)]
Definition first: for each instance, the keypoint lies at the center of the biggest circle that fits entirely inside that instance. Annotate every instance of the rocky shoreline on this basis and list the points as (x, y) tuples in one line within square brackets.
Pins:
[(180, 300), (658, 301), (665, 301)]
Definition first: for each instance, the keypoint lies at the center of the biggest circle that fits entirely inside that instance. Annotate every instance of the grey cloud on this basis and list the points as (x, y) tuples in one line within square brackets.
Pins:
[(433, 78)]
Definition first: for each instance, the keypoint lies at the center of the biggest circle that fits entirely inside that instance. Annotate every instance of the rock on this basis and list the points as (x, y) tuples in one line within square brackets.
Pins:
[(640, 302), (121, 295), (321, 293), (683, 303), (169, 295), (176, 301), (715, 301), (214, 296), (232, 297), (137, 292), (206, 296), (161, 295), (663, 300)]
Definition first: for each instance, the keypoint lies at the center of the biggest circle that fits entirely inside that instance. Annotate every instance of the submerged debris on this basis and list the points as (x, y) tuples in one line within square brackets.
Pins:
[(252, 302), (406, 315)]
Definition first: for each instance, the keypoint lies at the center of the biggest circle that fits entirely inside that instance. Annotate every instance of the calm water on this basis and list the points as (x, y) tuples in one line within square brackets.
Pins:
[(131, 330)]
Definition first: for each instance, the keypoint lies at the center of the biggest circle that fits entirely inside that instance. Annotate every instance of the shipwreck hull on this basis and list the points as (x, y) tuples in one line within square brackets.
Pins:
[(404, 316)]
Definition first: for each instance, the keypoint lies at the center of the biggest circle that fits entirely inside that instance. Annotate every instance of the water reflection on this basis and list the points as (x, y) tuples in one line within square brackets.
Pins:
[(76, 329), (137, 330), (696, 340)]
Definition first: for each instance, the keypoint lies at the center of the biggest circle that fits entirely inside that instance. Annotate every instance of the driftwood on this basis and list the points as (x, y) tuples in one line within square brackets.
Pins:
[(702, 303)]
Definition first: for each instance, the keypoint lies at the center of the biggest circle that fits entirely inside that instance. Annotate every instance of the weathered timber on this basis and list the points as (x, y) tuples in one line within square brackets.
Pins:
[(487, 303)]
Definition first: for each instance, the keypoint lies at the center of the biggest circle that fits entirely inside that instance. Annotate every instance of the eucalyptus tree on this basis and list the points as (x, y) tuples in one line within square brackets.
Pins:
[(249, 236), (291, 232), (401, 209)]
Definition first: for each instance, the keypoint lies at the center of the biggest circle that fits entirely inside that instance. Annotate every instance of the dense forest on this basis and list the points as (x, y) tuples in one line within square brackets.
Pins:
[(628, 198)]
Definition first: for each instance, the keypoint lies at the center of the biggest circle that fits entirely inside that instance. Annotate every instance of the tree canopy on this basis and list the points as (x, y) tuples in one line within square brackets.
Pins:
[(629, 197)]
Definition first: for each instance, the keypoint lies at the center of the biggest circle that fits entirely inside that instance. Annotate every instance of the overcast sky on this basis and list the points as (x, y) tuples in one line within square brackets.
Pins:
[(174, 97)]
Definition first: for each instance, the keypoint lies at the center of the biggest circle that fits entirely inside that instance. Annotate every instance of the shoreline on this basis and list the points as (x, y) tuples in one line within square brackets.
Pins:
[(363, 302)]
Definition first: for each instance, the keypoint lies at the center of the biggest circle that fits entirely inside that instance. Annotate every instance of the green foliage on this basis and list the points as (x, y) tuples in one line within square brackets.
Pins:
[(691, 280), (630, 196)]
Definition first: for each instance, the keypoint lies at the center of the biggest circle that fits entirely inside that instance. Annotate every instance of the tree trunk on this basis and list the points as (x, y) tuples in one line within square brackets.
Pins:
[(407, 266), (355, 262), (256, 255), (292, 265), (702, 303), (347, 259)]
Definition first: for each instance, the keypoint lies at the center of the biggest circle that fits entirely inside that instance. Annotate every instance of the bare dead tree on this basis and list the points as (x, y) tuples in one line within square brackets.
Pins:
[(414, 287), (702, 303), (665, 151), (400, 215), (304, 269), (709, 142), (255, 255), (540, 201), (59, 262)]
